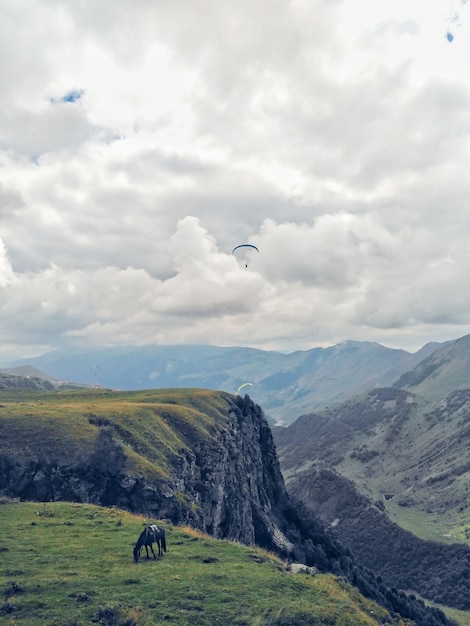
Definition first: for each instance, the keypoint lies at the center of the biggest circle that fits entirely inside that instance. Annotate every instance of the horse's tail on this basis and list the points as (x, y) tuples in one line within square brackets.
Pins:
[(163, 540)]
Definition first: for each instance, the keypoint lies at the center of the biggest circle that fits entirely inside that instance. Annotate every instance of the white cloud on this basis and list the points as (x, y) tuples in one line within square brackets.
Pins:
[(333, 135)]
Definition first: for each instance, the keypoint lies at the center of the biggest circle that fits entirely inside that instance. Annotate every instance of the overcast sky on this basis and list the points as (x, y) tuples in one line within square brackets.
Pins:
[(142, 140)]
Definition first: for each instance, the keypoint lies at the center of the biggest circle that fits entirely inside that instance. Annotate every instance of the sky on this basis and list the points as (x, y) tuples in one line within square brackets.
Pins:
[(142, 140)]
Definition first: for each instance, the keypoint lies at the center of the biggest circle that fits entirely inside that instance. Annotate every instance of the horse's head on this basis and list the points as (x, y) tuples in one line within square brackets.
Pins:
[(136, 554)]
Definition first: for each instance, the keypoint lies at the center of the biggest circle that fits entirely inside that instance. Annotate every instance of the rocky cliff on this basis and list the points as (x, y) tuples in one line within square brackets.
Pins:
[(227, 483)]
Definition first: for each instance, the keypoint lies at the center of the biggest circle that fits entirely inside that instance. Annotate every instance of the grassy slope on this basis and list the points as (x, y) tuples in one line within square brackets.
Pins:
[(152, 425), (69, 564), (409, 450)]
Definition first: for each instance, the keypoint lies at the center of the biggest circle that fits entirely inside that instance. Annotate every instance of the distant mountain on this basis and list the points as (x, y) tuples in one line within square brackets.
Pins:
[(406, 448), (27, 371), (444, 371), (285, 385), (28, 377), (9, 381)]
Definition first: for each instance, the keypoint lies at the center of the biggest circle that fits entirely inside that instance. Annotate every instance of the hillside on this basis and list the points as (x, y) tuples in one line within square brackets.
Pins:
[(195, 457), (407, 446), (88, 576), (407, 451), (441, 373), (28, 377), (398, 449), (28, 371), (436, 571), (285, 385)]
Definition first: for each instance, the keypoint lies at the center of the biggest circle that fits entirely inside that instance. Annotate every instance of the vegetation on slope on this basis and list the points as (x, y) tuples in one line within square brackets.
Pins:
[(398, 449), (161, 429), (12, 381), (71, 565), (152, 426), (437, 571)]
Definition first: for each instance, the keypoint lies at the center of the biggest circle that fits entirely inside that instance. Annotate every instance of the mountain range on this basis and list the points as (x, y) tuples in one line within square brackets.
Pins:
[(382, 454), (388, 471), (407, 446), (285, 385)]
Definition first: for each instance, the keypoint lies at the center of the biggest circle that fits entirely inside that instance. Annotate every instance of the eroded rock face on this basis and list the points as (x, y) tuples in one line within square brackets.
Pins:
[(236, 481), (229, 485)]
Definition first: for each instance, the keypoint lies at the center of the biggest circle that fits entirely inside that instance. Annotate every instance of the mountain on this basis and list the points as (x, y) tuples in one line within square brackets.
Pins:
[(196, 457), (444, 371), (437, 571), (397, 448), (408, 443), (10, 381), (404, 452), (27, 371), (28, 377), (285, 385)]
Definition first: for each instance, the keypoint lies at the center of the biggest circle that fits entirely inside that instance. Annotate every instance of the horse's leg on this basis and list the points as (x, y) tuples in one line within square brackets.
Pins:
[(151, 548), (147, 550)]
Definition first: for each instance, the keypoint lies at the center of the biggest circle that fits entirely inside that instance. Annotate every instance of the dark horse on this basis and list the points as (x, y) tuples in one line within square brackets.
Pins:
[(151, 534)]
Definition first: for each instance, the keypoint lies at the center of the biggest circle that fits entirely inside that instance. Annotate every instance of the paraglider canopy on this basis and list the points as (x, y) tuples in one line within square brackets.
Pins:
[(244, 252), (242, 386)]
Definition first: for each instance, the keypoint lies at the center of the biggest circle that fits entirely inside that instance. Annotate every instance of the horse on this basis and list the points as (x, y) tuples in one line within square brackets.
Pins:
[(151, 534)]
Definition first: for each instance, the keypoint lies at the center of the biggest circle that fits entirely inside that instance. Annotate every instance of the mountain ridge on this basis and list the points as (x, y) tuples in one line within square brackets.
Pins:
[(286, 385), (406, 451)]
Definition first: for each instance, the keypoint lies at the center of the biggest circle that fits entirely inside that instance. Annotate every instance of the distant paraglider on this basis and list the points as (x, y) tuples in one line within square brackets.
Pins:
[(243, 386), (244, 252), (95, 370)]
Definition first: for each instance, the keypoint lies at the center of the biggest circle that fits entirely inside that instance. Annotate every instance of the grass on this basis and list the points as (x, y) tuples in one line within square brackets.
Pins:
[(154, 426), (441, 527), (71, 564)]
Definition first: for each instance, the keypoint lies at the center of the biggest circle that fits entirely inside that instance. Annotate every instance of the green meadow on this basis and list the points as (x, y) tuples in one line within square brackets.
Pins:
[(152, 426), (64, 564)]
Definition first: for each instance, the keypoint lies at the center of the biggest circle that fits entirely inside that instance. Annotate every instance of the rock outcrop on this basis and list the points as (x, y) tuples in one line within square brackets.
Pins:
[(228, 484)]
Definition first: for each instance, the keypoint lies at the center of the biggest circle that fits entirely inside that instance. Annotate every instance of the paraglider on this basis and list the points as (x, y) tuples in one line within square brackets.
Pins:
[(242, 386), (95, 370), (244, 252)]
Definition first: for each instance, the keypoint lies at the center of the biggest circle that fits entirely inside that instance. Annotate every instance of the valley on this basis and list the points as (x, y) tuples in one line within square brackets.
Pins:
[(399, 453), (195, 458)]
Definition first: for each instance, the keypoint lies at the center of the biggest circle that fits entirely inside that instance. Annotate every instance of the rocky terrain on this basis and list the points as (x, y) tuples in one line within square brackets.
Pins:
[(390, 461), (200, 458)]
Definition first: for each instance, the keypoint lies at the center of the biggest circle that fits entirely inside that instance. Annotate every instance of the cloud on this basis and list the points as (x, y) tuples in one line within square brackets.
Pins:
[(334, 252), (141, 142)]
